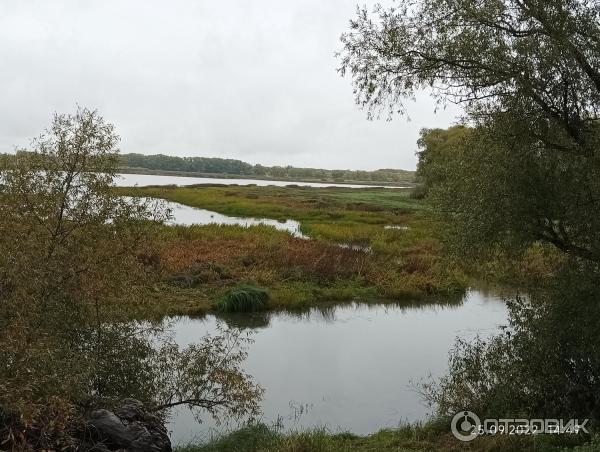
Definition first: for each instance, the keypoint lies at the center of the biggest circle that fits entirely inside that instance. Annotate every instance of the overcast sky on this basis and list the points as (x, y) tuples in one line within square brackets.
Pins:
[(253, 80)]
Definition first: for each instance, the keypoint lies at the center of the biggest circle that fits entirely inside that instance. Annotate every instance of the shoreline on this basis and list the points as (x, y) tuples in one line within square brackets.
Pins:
[(144, 171)]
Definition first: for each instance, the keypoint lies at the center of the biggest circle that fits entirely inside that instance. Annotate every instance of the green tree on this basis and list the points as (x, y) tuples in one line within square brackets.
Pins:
[(544, 364), (338, 175), (259, 170), (437, 148), (528, 75), (71, 266)]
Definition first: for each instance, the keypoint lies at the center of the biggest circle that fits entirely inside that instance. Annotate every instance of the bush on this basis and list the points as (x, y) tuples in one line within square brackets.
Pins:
[(244, 298), (419, 192)]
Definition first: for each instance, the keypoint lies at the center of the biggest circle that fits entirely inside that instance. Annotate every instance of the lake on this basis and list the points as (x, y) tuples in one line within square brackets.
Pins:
[(130, 180), (346, 367)]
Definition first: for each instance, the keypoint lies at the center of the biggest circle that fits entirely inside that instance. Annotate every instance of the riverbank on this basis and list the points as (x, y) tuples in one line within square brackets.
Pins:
[(364, 245), (408, 181)]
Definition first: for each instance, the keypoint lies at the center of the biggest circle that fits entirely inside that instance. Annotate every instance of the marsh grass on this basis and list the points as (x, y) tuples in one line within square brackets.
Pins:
[(299, 273), (301, 203), (244, 298), (402, 263)]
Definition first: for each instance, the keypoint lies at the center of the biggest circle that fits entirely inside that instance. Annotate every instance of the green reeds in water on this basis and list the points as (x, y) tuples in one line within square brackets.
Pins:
[(244, 298)]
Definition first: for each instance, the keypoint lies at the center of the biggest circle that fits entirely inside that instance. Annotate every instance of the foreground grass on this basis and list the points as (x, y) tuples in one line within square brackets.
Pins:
[(244, 299), (401, 257), (428, 438)]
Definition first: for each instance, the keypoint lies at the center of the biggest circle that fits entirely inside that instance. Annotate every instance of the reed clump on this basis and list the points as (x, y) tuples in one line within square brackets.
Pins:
[(244, 298)]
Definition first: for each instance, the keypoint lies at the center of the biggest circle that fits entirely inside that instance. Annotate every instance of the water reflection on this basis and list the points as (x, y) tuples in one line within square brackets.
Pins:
[(351, 365), (329, 312), (187, 216)]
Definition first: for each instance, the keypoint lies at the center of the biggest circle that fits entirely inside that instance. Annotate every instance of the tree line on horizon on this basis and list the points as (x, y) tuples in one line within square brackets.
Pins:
[(215, 165)]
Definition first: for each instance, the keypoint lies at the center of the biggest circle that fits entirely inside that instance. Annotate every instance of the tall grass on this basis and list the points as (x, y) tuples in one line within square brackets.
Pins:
[(251, 438), (281, 203), (403, 263), (407, 438), (244, 298)]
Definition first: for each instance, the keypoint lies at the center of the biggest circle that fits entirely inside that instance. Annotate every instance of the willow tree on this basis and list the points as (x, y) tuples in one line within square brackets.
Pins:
[(528, 75)]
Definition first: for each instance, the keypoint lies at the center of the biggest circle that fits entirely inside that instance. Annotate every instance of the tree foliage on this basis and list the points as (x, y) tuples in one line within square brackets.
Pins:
[(544, 364), (71, 265), (526, 169), (542, 56), (437, 147), (205, 165), (504, 194), (528, 74)]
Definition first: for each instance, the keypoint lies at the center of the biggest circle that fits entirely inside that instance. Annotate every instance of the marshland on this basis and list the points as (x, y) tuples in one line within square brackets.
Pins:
[(343, 296), (348, 252), (207, 247)]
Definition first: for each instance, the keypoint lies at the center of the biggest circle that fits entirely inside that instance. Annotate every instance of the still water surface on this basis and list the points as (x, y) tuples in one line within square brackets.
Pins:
[(187, 216), (346, 367), (130, 180)]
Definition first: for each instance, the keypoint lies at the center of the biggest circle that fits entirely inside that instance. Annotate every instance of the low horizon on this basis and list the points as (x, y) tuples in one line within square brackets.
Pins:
[(287, 106), (265, 165), (252, 163)]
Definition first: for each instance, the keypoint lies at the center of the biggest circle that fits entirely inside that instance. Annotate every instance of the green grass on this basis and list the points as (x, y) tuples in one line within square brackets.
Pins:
[(201, 264), (431, 437), (370, 205), (244, 298), (330, 214)]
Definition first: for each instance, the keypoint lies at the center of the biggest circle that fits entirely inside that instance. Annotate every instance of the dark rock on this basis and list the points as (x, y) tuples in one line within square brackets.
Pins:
[(129, 427)]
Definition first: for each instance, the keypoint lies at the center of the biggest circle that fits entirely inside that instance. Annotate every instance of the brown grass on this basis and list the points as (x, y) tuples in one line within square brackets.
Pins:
[(309, 258)]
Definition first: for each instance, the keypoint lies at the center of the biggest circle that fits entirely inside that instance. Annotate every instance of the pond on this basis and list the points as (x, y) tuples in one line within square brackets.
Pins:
[(346, 367), (130, 180)]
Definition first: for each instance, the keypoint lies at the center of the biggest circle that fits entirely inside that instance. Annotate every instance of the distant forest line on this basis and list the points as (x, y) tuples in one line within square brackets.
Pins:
[(214, 166), (219, 166)]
